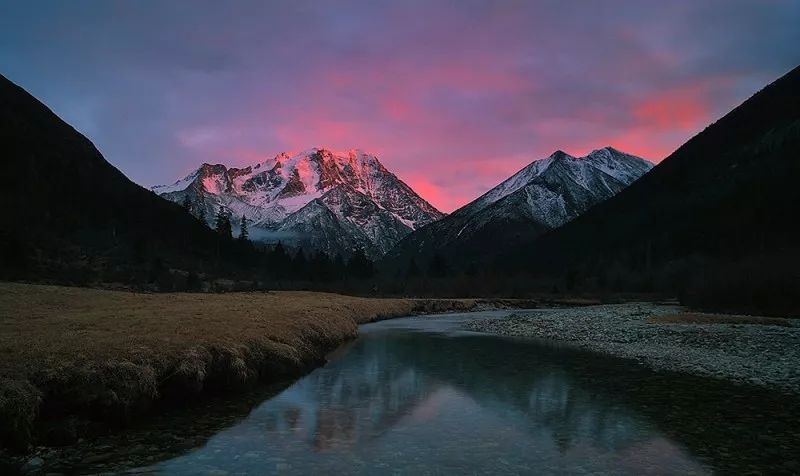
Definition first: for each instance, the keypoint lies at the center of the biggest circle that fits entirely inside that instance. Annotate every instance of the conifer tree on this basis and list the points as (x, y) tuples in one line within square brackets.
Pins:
[(300, 265), (413, 269), (359, 266), (339, 267), (223, 223), (320, 267), (243, 234), (438, 266), (280, 262)]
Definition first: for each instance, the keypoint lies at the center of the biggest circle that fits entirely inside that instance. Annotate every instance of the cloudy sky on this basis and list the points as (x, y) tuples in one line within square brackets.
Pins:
[(453, 96)]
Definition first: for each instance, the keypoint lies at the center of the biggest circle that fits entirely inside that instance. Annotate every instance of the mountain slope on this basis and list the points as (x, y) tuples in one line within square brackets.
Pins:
[(542, 196), (717, 220), (329, 201), (70, 216)]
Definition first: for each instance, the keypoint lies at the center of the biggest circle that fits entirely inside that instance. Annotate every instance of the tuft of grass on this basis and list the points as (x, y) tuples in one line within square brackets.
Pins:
[(706, 318), (19, 406), (110, 355)]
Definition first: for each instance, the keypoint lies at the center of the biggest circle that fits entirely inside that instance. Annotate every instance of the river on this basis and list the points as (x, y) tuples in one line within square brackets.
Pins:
[(420, 396)]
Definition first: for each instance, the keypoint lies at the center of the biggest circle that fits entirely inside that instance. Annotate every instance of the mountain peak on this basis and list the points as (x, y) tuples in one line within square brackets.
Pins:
[(607, 151), (543, 195), (560, 155), (206, 167), (623, 171), (615, 154), (376, 210), (328, 151)]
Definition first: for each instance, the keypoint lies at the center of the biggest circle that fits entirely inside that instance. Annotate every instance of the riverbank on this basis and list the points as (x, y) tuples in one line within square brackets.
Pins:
[(74, 360), (742, 349)]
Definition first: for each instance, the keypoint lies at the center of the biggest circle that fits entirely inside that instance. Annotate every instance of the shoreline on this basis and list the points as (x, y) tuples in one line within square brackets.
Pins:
[(744, 350), (78, 362)]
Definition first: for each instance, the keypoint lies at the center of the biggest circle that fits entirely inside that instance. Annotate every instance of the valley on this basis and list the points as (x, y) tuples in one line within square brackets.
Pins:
[(422, 238), (377, 396)]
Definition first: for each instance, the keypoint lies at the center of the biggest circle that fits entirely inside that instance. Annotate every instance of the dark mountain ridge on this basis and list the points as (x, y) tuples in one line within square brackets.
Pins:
[(716, 221), (72, 217)]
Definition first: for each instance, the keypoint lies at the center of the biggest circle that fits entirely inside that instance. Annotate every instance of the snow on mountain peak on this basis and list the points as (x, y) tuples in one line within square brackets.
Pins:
[(269, 192), (618, 165), (543, 195)]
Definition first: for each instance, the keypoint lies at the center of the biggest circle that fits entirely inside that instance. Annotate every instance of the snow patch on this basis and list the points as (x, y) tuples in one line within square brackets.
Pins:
[(374, 206)]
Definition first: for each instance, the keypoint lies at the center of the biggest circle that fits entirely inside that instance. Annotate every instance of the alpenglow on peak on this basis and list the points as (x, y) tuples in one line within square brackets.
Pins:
[(318, 199)]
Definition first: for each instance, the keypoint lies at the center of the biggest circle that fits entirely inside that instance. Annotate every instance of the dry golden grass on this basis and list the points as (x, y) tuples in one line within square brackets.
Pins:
[(51, 323), (705, 318), (110, 353)]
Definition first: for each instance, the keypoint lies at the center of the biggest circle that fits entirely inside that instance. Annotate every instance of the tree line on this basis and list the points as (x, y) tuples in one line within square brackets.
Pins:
[(277, 265)]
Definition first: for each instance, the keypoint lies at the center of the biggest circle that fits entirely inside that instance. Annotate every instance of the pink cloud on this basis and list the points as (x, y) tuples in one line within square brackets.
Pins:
[(453, 116), (683, 108), (452, 96)]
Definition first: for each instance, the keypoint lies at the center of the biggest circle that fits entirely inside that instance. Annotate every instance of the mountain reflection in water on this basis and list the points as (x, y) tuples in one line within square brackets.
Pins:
[(417, 401)]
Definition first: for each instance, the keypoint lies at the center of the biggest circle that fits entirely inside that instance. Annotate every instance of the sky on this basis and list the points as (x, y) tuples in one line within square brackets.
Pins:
[(452, 96)]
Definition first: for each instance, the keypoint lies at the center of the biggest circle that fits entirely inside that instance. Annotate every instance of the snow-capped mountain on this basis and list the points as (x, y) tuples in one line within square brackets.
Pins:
[(544, 195), (330, 201)]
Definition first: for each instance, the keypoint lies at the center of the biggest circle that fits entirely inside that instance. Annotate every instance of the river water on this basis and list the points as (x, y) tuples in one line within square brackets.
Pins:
[(419, 396)]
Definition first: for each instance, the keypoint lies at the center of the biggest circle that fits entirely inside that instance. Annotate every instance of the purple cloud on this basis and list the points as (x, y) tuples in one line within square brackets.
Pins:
[(453, 96)]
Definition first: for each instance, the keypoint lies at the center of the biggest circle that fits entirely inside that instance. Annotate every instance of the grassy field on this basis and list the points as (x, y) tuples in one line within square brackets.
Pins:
[(77, 355)]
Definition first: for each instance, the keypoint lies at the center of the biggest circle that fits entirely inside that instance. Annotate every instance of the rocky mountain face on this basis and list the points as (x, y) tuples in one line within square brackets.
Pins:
[(334, 202), (542, 196)]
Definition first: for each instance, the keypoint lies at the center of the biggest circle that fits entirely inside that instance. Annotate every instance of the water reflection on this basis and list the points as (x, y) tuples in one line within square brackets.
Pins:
[(430, 403)]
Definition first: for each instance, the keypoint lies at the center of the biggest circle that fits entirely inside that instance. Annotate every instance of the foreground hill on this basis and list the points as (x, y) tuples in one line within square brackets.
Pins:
[(70, 216), (717, 220), (335, 202), (542, 196)]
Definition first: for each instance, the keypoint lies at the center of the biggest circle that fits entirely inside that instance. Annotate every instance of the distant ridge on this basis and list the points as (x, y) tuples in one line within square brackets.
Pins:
[(543, 195), (716, 221)]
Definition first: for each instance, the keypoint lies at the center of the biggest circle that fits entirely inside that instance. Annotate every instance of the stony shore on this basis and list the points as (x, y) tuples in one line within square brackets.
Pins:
[(763, 354)]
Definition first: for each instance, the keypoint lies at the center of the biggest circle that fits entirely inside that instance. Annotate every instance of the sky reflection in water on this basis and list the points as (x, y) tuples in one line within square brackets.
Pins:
[(413, 398)]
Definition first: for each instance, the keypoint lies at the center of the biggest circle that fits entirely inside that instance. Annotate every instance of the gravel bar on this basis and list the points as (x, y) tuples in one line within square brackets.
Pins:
[(762, 355)]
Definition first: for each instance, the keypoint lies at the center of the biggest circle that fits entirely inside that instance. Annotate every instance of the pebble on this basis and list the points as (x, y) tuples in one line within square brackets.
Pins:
[(97, 458), (761, 355), (34, 463)]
